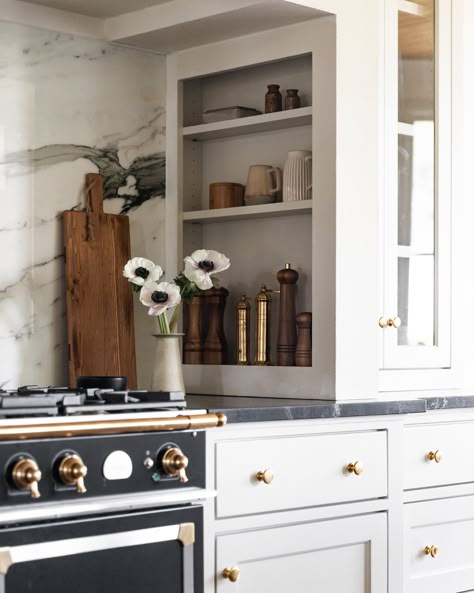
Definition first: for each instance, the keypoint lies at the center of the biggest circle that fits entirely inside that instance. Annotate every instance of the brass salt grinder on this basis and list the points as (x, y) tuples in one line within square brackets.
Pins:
[(243, 330), (263, 303)]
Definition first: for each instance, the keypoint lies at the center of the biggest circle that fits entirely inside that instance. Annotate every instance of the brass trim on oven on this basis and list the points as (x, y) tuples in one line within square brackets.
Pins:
[(187, 534), (97, 427), (5, 560)]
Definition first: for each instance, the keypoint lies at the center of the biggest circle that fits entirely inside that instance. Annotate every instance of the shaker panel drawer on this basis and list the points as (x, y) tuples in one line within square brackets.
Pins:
[(301, 471), (437, 455)]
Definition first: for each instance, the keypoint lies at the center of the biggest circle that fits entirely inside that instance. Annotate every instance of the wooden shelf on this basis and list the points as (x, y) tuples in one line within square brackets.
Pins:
[(249, 212), (250, 125), (414, 8)]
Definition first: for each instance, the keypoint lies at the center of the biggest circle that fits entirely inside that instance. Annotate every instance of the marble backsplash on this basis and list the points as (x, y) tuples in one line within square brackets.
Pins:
[(69, 106)]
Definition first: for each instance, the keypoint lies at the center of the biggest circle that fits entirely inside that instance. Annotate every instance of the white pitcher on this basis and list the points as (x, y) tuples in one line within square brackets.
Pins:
[(297, 176)]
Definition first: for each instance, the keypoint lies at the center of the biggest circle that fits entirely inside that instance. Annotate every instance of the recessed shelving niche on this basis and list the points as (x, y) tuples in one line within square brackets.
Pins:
[(259, 240)]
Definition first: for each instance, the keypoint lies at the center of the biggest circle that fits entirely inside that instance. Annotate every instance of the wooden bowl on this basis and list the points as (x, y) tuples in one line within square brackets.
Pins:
[(226, 195)]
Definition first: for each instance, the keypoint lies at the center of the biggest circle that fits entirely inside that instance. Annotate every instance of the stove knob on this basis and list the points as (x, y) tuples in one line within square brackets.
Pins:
[(73, 471), (26, 475), (174, 463)]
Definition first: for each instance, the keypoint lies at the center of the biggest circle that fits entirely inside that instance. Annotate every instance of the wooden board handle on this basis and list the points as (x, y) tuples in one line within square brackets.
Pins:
[(95, 193)]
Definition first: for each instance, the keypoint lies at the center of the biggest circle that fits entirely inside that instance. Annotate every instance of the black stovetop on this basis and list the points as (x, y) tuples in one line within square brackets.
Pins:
[(35, 400)]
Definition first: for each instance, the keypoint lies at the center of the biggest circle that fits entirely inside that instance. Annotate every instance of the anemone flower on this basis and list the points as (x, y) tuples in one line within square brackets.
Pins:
[(159, 297), (200, 265), (140, 270)]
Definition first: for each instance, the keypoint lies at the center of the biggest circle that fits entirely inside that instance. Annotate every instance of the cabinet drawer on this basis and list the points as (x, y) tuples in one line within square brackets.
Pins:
[(438, 455), (439, 545), (307, 471)]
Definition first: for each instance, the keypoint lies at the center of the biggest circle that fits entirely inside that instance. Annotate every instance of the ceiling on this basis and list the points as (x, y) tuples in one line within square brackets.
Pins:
[(99, 8), (234, 23)]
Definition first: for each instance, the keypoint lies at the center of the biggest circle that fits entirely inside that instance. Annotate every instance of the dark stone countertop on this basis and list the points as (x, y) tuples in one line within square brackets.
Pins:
[(449, 403), (262, 409)]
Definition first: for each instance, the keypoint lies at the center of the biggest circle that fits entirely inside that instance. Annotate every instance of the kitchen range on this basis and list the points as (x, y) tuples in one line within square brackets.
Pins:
[(102, 490)]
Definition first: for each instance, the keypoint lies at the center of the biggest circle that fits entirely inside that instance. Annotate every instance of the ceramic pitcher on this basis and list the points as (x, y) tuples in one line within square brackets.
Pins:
[(297, 182), (263, 185)]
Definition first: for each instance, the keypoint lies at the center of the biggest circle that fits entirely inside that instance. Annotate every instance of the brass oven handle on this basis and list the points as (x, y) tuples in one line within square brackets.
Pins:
[(266, 476), (435, 456), (72, 471), (431, 551), (174, 463), (355, 468), (233, 574), (26, 475)]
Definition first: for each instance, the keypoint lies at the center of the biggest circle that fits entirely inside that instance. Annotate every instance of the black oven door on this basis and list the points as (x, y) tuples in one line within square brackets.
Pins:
[(156, 551)]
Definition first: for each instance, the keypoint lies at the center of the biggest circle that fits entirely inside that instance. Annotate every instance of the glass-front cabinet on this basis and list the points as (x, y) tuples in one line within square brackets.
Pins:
[(416, 310)]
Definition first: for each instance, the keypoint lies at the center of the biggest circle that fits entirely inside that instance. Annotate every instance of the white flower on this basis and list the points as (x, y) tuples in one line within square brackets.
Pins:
[(159, 297), (200, 265), (140, 270)]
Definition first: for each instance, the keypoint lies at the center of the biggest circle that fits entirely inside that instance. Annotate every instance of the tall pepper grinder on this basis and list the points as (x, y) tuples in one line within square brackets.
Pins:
[(286, 344), (263, 302), (215, 344), (243, 330), (193, 343)]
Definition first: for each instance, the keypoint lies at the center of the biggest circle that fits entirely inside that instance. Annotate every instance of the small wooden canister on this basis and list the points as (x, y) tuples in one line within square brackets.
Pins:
[(226, 195)]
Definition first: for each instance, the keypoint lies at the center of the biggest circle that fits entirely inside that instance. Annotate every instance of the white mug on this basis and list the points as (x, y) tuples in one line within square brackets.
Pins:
[(297, 176)]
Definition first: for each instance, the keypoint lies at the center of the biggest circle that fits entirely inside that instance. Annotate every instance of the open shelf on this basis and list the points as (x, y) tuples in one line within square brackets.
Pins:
[(250, 125), (249, 212)]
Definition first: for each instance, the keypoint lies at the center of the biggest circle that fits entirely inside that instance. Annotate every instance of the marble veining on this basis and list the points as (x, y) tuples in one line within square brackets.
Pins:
[(70, 106)]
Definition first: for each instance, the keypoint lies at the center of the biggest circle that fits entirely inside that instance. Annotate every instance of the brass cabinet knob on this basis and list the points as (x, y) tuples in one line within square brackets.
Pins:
[(233, 574), (174, 463), (435, 456), (394, 322), (72, 471), (431, 551), (266, 476), (355, 468), (26, 475)]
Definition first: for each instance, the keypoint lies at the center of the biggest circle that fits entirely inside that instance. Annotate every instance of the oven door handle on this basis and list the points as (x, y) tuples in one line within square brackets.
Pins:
[(182, 532)]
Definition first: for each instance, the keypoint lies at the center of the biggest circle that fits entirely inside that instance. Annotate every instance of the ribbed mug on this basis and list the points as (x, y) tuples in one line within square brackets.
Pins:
[(297, 176)]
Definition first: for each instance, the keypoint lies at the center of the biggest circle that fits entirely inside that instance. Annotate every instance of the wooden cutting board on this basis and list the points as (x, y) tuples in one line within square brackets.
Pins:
[(99, 299)]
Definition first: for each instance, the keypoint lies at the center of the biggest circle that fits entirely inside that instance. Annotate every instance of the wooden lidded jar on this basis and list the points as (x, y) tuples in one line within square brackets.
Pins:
[(226, 195), (273, 101), (292, 99)]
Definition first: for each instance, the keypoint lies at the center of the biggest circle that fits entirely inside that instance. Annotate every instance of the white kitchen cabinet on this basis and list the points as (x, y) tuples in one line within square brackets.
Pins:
[(418, 272), (332, 556)]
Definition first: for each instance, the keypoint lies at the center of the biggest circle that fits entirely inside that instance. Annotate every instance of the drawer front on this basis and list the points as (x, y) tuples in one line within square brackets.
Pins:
[(307, 471), (438, 455), (439, 544)]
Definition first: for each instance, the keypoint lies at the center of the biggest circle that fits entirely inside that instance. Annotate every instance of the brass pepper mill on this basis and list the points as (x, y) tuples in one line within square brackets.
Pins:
[(243, 330), (263, 303)]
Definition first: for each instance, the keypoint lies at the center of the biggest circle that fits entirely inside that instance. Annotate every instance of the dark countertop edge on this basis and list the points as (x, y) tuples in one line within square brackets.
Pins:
[(255, 409), (449, 403)]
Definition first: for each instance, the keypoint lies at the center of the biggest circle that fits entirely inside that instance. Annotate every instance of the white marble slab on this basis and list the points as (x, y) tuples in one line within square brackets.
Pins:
[(69, 106)]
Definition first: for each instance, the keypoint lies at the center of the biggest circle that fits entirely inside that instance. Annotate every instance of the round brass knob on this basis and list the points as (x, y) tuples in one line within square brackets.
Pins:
[(431, 551), (72, 471), (266, 476), (174, 463), (26, 475), (394, 322), (435, 456), (355, 468), (233, 574)]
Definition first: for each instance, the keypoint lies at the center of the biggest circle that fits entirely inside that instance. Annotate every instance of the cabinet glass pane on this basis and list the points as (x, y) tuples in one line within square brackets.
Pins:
[(416, 174)]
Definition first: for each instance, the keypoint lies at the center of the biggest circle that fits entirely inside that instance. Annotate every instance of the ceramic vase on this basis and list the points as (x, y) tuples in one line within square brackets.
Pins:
[(297, 176), (167, 368)]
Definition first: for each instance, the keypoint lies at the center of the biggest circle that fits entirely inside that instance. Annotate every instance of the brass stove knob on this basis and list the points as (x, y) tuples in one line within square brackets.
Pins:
[(26, 475), (72, 470), (174, 463)]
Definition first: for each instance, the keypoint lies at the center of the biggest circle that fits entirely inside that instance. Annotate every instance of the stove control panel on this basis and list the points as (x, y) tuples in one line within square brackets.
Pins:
[(60, 469)]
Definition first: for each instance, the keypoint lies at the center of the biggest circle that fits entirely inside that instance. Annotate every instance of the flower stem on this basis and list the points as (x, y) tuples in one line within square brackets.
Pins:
[(174, 318), (163, 323)]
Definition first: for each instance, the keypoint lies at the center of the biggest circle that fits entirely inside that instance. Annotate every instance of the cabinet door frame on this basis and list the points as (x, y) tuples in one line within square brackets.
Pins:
[(438, 356), (328, 534)]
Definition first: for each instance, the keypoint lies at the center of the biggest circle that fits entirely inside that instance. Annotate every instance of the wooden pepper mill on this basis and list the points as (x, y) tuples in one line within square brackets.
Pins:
[(193, 339), (243, 330), (304, 346), (215, 344), (286, 344)]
